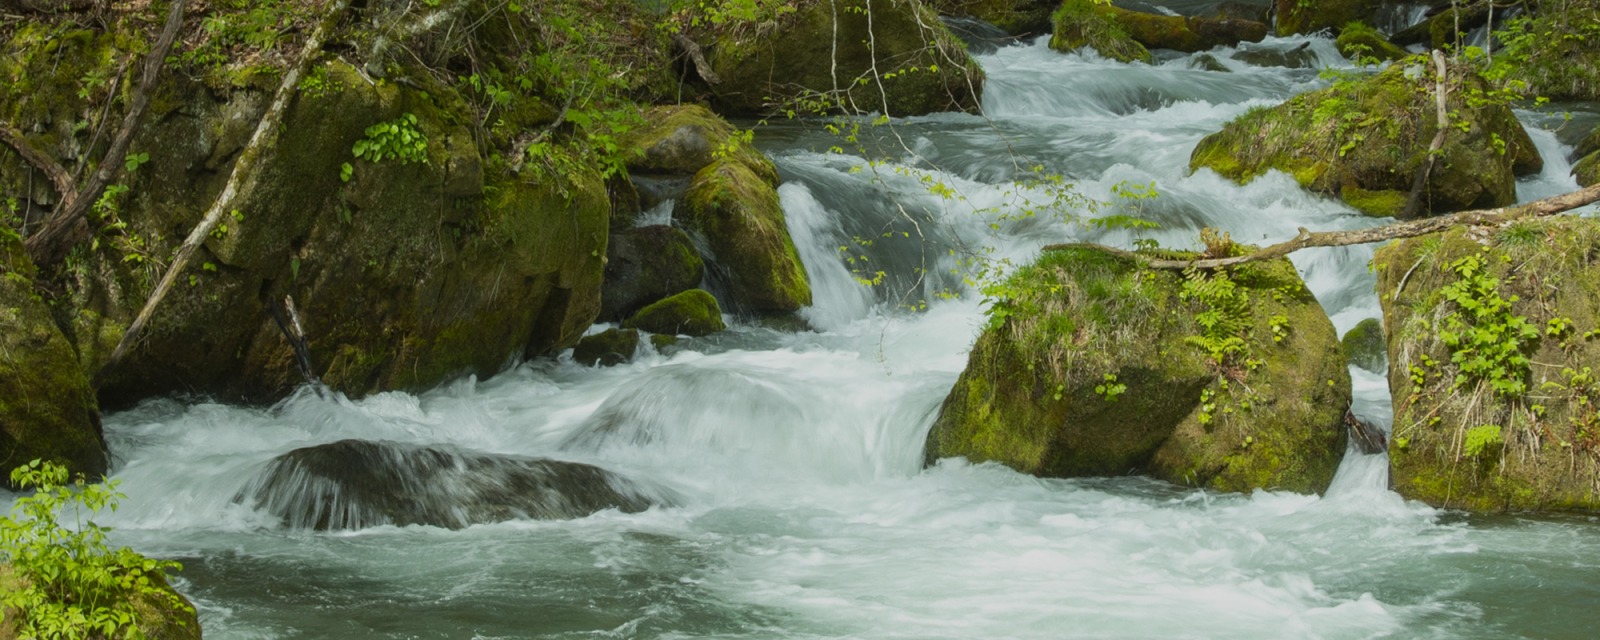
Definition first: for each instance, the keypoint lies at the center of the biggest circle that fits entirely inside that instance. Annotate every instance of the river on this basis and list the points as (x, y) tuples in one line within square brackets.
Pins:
[(803, 510)]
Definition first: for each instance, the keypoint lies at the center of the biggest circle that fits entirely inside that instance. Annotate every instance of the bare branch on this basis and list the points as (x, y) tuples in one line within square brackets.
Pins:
[(692, 49), (45, 164), (1420, 183), (1409, 229), (69, 224), (265, 136)]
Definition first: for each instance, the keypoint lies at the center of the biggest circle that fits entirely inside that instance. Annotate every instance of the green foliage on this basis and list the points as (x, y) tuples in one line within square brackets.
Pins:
[(1224, 315), (1109, 389), (1487, 342), (399, 139), (74, 586), (697, 13), (1481, 439)]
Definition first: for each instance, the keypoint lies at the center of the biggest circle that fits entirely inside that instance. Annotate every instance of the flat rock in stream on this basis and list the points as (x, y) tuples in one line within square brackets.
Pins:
[(354, 484)]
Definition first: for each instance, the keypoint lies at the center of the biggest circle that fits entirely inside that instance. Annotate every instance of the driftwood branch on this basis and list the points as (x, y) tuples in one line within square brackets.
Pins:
[(1442, 109), (45, 164), (69, 225), (265, 136), (1409, 229), (692, 49)]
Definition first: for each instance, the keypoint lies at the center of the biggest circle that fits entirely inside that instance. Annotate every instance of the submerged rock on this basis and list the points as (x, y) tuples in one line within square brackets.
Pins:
[(354, 484), (1364, 140), (810, 57), (1094, 366), (607, 348), (691, 313), (47, 407), (1364, 346), (1491, 351)]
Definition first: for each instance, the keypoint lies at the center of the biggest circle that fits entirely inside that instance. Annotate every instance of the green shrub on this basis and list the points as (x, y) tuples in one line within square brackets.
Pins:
[(69, 584)]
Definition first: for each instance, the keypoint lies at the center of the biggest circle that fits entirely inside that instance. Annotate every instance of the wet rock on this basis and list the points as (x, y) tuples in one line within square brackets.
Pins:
[(355, 484), (680, 140), (1301, 57), (1094, 366), (1101, 26), (1495, 401), (1083, 23), (982, 38), (1014, 17), (1363, 142), (691, 313), (47, 407), (1587, 169), (1364, 346), (821, 47), (646, 264), (607, 348), (742, 220), (1295, 16)]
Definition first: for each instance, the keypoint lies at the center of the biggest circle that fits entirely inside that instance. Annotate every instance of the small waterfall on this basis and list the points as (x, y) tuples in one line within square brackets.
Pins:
[(838, 297)]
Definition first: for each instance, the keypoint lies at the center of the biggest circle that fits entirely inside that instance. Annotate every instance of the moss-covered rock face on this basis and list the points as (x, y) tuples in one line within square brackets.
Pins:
[(1017, 17), (691, 313), (607, 348), (1357, 41), (809, 59), (1490, 353), (1364, 346), (1085, 23), (1587, 169), (159, 622), (1297, 16), (1099, 367), (1156, 31), (47, 408), (646, 264), (739, 214), (1364, 140)]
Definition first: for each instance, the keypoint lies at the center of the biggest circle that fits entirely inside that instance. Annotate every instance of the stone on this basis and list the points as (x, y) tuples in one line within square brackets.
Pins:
[(1094, 366), (646, 264), (1364, 346), (742, 220), (691, 313), (607, 348)]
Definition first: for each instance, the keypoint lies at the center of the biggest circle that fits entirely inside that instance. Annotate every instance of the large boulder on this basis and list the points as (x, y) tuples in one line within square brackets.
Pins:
[(406, 273), (355, 484), (646, 264), (1153, 30), (1085, 23), (742, 220), (1017, 17), (1363, 141), (682, 139), (1357, 41), (47, 407), (1093, 365), (1492, 358), (691, 313), (1587, 169), (810, 56), (1298, 16)]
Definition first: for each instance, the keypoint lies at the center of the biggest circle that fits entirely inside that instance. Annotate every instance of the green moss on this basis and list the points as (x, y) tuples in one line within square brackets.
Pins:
[(1084, 23), (1364, 139), (683, 139), (1550, 455), (1587, 170), (743, 222), (691, 313), (1364, 345), (1028, 396), (1016, 17), (1358, 41), (1297, 16), (1556, 50)]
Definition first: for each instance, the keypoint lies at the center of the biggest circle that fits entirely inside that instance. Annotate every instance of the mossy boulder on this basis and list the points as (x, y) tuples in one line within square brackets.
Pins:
[(742, 220), (158, 620), (691, 313), (1017, 17), (1364, 345), (607, 348), (1085, 23), (1357, 41), (809, 58), (1093, 365), (1363, 140), (1298, 16), (646, 264), (1491, 365), (47, 407), (1587, 169), (683, 139)]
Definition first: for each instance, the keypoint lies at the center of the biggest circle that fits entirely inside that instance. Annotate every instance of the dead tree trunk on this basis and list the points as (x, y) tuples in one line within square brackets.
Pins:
[(69, 225)]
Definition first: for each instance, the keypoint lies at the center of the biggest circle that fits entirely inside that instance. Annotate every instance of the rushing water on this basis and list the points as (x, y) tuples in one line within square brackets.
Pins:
[(801, 507)]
